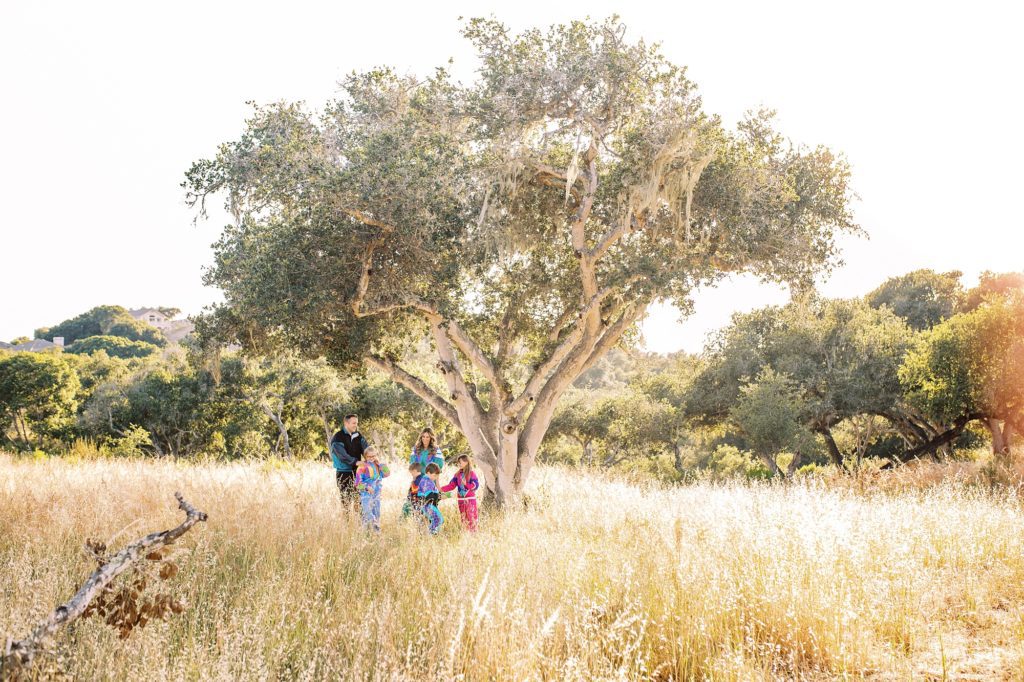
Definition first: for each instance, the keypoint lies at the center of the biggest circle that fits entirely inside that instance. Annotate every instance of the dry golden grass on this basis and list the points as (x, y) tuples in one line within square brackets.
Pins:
[(596, 580)]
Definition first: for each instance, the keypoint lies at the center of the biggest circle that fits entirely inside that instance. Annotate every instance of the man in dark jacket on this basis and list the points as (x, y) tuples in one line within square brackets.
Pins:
[(347, 447)]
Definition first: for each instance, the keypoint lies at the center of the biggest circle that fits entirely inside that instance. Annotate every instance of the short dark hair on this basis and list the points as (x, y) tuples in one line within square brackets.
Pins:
[(416, 466), (349, 416), (433, 468)]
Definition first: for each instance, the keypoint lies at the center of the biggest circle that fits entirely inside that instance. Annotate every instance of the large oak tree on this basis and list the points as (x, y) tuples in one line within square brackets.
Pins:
[(522, 222)]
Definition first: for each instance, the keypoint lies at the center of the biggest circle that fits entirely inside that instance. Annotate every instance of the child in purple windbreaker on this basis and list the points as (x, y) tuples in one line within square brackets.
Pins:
[(466, 483)]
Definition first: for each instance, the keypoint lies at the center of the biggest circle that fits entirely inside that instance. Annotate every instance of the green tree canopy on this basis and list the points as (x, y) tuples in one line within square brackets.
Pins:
[(104, 320), (993, 285), (923, 297), (38, 396), (972, 367), (769, 415), (842, 355), (522, 222), (114, 346)]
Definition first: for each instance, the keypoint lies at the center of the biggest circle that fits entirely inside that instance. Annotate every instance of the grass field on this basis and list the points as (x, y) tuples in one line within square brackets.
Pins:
[(597, 579)]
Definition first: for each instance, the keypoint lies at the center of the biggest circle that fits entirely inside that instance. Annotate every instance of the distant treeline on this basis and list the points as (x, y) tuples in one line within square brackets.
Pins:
[(919, 367)]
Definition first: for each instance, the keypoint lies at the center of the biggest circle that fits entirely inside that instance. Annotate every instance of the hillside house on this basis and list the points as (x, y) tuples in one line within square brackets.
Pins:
[(152, 317)]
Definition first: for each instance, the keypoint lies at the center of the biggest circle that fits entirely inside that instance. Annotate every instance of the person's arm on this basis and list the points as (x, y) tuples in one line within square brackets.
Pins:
[(451, 485), (340, 455), (384, 470), (361, 477), (473, 484)]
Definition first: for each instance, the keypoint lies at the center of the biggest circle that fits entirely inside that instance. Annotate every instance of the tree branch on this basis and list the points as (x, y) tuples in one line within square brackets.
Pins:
[(465, 343), (570, 343), (20, 654), (367, 220), (574, 365), (938, 441), (417, 386)]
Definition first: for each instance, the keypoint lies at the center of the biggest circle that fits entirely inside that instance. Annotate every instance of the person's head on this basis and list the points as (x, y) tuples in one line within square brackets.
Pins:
[(370, 454), (433, 471), (427, 440), (415, 469), (465, 463), (351, 422)]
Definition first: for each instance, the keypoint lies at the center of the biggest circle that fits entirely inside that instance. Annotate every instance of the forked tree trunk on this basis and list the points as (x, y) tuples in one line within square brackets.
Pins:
[(281, 428), (773, 466)]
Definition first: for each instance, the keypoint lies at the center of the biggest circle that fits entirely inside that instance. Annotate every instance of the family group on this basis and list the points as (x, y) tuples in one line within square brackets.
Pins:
[(360, 475)]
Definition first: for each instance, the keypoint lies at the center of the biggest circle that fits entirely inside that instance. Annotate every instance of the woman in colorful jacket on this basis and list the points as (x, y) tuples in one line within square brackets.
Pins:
[(426, 451)]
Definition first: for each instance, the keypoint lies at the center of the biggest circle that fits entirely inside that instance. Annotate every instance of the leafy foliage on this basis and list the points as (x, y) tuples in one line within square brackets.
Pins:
[(105, 320), (114, 346), (923, 298), (37, 397)]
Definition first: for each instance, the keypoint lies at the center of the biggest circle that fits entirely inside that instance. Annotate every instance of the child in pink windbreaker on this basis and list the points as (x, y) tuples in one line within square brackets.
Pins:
[(466, 482)]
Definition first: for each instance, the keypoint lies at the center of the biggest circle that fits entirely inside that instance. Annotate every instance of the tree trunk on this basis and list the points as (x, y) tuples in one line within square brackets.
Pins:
[(588, 452), (499, 466), (773, 466), (1002, 436), (793, 464), (19, 429), (677, 452), (328, 435), (282, 430), (834, 453)]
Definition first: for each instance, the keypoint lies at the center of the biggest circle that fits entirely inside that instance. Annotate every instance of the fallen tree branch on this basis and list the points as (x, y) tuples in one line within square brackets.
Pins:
[(19, 654)]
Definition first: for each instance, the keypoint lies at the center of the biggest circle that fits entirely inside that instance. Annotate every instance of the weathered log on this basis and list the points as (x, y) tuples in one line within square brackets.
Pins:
[(19, 654)]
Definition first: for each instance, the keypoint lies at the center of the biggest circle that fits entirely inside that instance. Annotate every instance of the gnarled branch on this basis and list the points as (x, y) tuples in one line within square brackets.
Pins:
[(21, 653)]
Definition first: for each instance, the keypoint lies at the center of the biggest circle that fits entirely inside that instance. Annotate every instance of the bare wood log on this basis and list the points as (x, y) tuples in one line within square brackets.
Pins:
[(19, 654)]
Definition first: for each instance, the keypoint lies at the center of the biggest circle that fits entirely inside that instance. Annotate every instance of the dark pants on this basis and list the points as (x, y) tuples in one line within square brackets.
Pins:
[(347, 487)]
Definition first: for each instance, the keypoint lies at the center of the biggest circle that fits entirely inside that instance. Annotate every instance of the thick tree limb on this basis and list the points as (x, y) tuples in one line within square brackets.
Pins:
[(938, 441), (834, 453), (366, 219), (540, 418), (464, 341), (570, 343), (20, 654), (417, 386)]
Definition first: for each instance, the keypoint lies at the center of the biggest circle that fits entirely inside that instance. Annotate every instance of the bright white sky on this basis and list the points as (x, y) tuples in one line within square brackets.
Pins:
[(104, 107)]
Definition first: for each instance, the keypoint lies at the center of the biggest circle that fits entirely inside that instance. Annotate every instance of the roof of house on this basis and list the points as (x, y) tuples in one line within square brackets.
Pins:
[(35, 345), (139, 312), (178, 330)]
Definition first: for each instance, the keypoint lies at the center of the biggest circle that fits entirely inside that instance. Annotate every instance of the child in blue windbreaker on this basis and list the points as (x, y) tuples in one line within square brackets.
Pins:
[(428, 495)]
